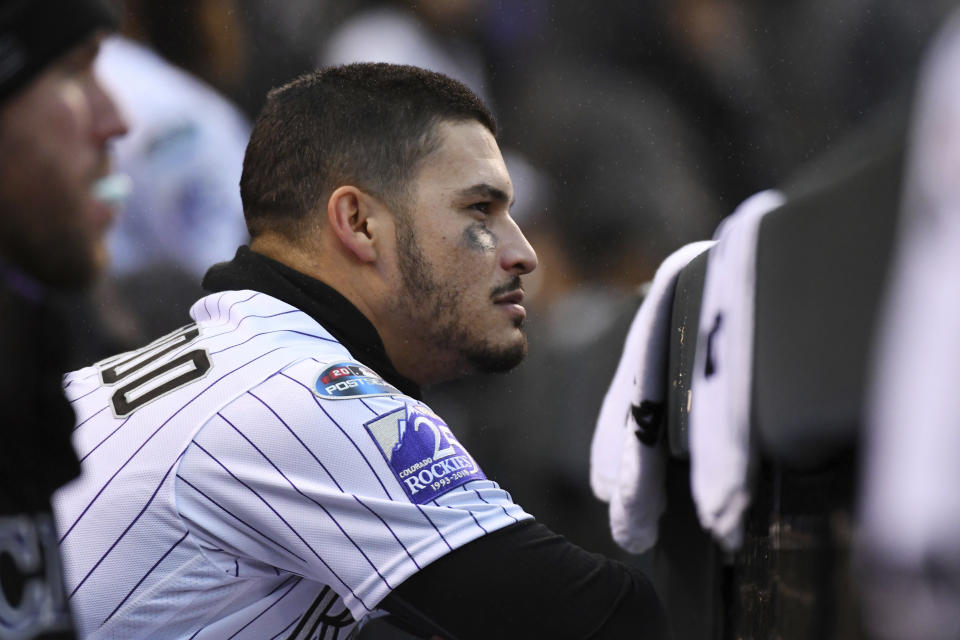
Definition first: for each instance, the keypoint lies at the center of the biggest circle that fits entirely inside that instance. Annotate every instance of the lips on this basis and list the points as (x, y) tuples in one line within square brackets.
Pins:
[(510, 303), (511, 297)]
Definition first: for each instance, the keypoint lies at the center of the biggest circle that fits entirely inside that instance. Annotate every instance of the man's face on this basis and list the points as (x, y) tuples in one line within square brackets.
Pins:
[(53, 141), (461, 255)]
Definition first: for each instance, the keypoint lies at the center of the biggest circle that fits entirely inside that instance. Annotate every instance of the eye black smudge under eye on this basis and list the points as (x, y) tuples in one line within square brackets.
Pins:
[(478, 237)]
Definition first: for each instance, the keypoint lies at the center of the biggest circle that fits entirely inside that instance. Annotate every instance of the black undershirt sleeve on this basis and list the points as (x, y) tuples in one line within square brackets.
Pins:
[(524, 581)]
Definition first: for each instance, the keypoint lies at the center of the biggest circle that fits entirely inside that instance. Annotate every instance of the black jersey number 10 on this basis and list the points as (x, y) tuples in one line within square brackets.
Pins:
[(153, 380)]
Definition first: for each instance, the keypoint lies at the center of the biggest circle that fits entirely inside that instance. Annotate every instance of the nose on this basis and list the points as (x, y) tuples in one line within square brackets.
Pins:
[(516, 255), (107, 120)]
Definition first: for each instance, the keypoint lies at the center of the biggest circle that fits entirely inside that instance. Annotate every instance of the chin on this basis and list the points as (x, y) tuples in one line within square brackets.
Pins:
[(499, 359)]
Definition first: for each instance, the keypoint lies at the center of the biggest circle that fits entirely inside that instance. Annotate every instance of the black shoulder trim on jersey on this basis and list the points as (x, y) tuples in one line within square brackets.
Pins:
[(524, 581)]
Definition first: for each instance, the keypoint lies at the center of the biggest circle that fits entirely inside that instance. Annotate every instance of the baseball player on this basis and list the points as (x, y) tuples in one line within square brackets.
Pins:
[(270, 470), (55, 121)]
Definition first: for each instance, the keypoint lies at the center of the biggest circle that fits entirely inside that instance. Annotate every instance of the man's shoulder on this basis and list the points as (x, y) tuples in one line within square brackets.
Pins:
[(245, 325), (237, 340)]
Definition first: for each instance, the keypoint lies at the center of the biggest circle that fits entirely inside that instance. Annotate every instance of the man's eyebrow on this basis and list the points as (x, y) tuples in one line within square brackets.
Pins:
[(484, 190)]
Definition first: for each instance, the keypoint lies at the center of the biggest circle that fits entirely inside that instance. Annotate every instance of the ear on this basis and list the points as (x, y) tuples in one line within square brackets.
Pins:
[(350, 212)]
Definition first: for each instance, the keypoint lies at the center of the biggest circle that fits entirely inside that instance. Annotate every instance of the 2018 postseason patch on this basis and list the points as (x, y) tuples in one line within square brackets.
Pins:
[(345, 380), (422, 452)]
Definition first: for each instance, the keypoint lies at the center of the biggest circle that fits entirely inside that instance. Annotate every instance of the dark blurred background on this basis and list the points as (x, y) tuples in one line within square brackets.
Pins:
[(630, 128)]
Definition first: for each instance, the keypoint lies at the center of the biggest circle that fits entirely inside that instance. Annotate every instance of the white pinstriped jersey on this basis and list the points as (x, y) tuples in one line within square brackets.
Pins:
[(246, 478)]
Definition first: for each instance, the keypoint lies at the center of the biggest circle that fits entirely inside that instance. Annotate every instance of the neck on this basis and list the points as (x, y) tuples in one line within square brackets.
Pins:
[(293, 254), (354, 282), (320, 263), (374, 295), (425, 364)]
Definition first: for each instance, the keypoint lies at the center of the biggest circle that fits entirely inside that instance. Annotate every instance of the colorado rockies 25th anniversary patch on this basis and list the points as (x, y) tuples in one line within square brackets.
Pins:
[(422, 452)]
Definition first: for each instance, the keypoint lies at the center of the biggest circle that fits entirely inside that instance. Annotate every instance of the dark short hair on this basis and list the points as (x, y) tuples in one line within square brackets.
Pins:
[(365, 124)]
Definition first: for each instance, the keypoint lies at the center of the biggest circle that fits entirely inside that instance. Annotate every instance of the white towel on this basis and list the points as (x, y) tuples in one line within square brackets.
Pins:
[(624, 471), (909, 522), (720, 409)]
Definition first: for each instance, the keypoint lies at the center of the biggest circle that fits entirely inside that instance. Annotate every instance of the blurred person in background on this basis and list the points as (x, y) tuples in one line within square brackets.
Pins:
[(183, 155), (207, 38), (440, 35), (282, 43), (55, 123), (184, 151)]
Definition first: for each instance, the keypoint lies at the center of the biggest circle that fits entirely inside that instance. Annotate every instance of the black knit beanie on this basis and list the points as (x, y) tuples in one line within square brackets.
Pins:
[(34, 33)]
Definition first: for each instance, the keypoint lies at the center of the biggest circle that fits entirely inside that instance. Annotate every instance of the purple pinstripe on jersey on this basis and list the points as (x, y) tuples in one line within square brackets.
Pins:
[(242, 521), (203, 546), (432, 524), (84, 395), (176, 353), (272, 605), (124, 532), (501, 506), (150, 437), (311, 499), (266, 333), (149, 571), (284, 521), (189, 346), (482, 528), (284, 630), (91, 417), (293, 433), (107, 437), (230, 308), (96, 372), (390, 529), (346, 435), (219, 300), (296, 581)]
